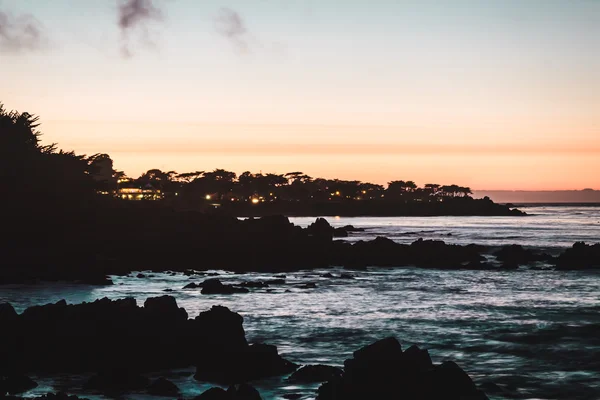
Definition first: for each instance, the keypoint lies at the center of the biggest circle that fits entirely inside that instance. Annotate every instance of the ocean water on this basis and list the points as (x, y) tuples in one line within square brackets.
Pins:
[(525, 334)]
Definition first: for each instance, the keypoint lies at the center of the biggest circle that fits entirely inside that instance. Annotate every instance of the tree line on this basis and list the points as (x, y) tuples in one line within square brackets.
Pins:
[(30, 169)]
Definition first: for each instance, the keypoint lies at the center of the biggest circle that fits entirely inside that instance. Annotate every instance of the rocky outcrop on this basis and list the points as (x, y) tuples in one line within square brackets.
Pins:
[(215, 286), (518, 255), (118, 340), (235, 392), (315, 374), (580, 256), (421, 253), (383, 371), (16, 384), (163, 387)]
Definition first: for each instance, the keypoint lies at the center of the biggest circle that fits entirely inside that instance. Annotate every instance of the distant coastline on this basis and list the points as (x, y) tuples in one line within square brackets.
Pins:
[(541, 197)]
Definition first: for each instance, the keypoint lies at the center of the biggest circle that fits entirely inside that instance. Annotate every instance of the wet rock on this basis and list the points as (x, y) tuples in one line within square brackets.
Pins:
[(346, 276), (8, 315), (192, 285), (275, 281), (580, 256), (16, 384), (167, 290), (340, 233), (229, 359), (163, 387), (279, 276), (518, 255), (214, 393), (321, 229), (309, 285), (351, 228), (254, 284), (382, 371), (117, 381), (215, 286), (243, 392), (418, 358), (326, 275), (315, 374), (140, 276)]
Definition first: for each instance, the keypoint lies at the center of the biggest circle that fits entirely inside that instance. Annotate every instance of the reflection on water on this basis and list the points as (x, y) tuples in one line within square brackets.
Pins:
[(523, 334)]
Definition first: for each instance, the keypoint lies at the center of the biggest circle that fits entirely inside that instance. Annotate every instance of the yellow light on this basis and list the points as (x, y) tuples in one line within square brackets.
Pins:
[(364, 192), (255, 201), (337, 193), (208, 197)]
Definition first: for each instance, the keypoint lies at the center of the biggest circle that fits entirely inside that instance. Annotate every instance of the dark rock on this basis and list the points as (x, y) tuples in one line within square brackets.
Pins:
[(117, 381), (275, 281), (163, 387), (243, 392), (340, 232), (382, 371), (16, 384), (382, 350), (168, 290), (315, 374), (214, 286), (326, 275), (580, 256), (8, 315), (309, 285), (254, 284), (279, 276), (417, 358), (192, 285), (518, 255), (321, 229), (235, 364), (214, 393), (292, 396), (346, 276), (140, 276)]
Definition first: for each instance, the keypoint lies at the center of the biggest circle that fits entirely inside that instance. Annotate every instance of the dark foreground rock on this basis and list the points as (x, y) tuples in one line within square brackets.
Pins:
[(580, 256), (15, 384), (315, 374), (383, 371), (163, 387), (421, 253), (518, 255), (215, 286), (235, 392), (119, 340)]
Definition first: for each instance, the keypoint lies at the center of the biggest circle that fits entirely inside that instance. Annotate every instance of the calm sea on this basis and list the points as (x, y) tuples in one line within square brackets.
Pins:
[(525, 334)]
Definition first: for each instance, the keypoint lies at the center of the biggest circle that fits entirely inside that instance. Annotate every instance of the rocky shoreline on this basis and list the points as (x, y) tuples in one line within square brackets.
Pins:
[(268, 244), (118, 342)]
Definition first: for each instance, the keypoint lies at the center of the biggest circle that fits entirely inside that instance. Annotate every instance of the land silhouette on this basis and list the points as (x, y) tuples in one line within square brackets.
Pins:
[(66, 219)]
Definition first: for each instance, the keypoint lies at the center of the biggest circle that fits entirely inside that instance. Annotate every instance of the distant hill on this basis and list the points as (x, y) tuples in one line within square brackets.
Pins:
[(545, 196)]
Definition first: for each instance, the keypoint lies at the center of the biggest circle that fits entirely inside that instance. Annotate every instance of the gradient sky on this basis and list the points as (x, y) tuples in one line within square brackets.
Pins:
[(490, 94)]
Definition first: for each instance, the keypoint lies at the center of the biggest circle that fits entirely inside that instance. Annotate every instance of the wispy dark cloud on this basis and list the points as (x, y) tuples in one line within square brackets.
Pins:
[(20, 33), (231, 25), (135, 15)]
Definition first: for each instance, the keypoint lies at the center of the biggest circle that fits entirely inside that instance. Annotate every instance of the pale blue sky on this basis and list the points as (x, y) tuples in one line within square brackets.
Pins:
[(479, 72)]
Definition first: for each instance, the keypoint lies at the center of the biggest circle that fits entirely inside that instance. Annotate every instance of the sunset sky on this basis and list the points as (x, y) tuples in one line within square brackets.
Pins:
[(489, 94)]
